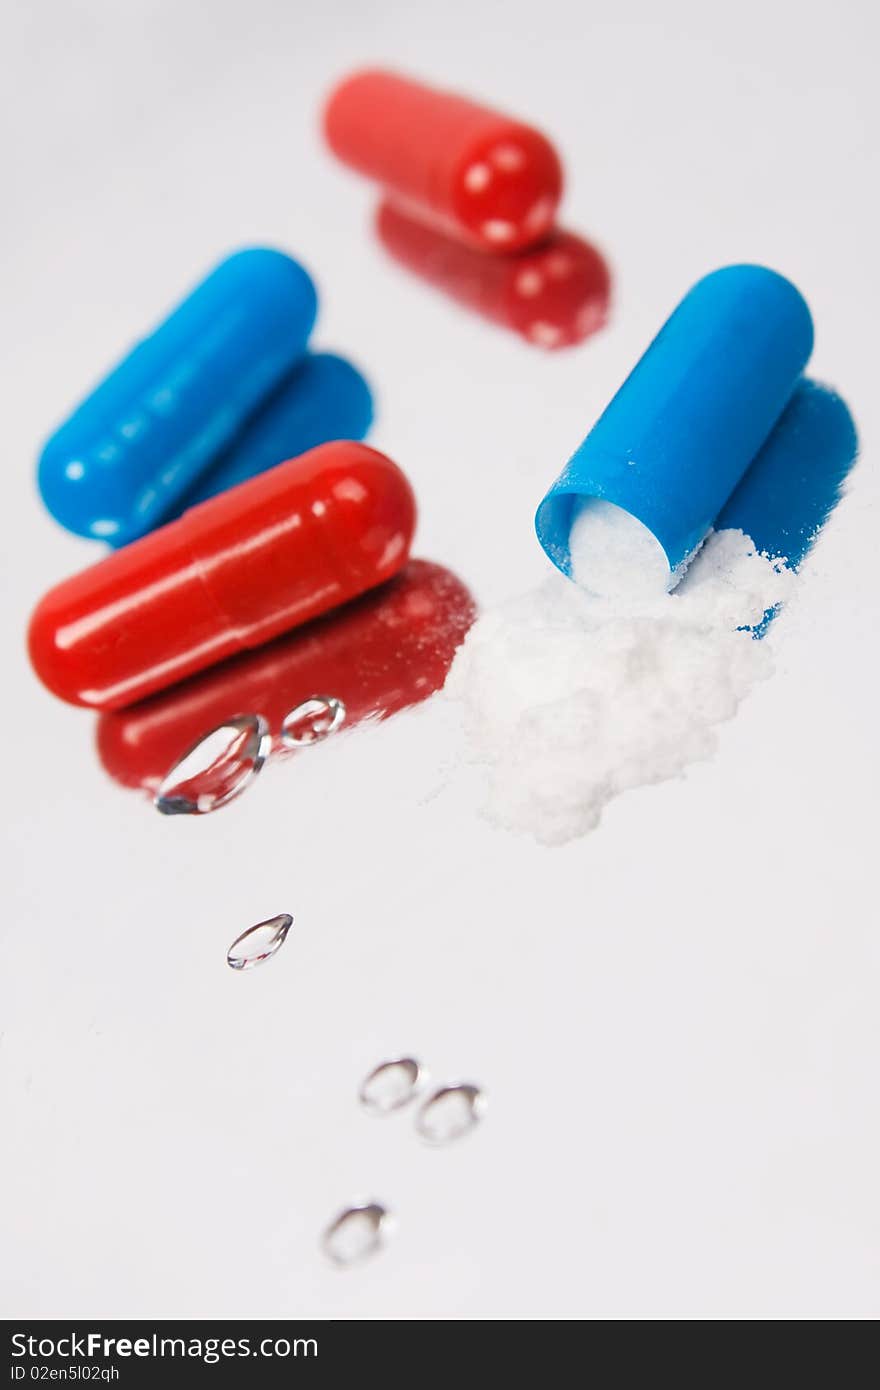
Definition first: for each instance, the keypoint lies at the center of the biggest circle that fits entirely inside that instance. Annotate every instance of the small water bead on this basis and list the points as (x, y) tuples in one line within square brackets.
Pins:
[(391, 1085), (450, 1112), (356, 1233), (216, 769), (259, 943), (312, 721)]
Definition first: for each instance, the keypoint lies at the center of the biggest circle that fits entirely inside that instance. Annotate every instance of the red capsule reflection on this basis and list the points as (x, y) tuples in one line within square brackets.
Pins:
[(554, 295), (377, 655)]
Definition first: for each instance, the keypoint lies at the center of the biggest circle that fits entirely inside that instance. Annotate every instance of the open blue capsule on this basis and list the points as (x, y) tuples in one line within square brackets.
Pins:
[(682, 431), (116, 467)]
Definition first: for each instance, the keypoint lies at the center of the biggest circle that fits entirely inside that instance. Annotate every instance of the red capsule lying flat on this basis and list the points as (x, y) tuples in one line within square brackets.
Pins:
[(381, 653), (480, 176), (554, 295), (230, 574)]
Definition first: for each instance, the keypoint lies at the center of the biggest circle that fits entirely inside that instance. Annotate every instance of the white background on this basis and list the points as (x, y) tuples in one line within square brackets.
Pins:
[(676, 1018)]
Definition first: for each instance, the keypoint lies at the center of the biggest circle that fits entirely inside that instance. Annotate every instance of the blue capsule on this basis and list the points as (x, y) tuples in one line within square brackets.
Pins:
[(322, 399), (117, 466), (692, 415)]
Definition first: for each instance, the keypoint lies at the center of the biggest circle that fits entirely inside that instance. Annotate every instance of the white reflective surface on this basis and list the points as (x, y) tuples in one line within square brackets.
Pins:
[(677, 1017)]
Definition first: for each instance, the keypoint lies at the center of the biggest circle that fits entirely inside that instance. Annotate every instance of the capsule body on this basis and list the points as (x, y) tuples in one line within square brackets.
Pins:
[(322, 399), (231, 573), (476, 174), (553, 295), (690, 418), (379, 654), (118, 464)]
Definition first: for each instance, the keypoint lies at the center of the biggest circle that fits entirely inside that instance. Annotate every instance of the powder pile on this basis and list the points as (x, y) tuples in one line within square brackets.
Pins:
[(569, 700)]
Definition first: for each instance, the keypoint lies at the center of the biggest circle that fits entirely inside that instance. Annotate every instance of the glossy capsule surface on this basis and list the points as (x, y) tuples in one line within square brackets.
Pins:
[(322, 399), (232, 573), (691, 417), (379, 654), (553, 295), (116, 467), (479, 175)]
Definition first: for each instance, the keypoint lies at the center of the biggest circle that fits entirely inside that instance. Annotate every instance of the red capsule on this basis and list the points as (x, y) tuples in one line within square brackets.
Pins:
[(479, 175), (230, 574), (554, 295), (381, 653)]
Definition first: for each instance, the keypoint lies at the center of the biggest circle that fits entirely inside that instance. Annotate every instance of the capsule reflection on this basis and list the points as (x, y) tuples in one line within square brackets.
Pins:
[(376, 656), (554, 295)]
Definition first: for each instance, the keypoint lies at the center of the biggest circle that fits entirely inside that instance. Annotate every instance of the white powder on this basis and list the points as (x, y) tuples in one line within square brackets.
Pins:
[(570, 700), (613, 554)]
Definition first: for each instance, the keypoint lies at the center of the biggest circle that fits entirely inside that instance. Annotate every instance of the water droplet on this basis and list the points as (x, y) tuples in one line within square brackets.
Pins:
[(357, 1232), (216, 769), (312, 721), (259, 943), (391, 1085), (451, 1111)]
